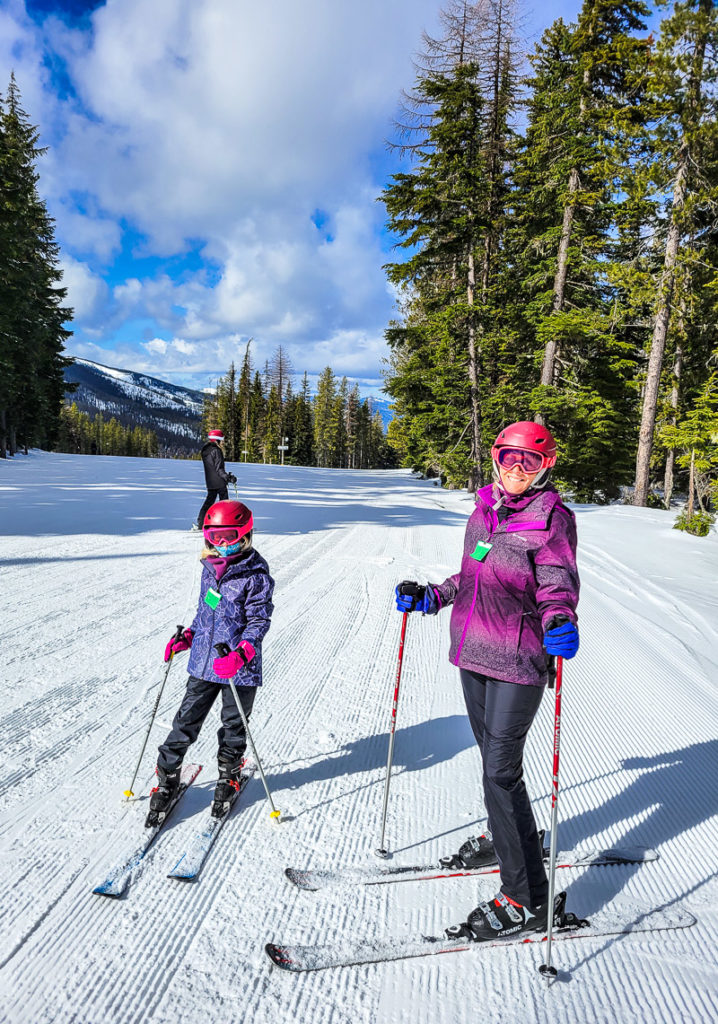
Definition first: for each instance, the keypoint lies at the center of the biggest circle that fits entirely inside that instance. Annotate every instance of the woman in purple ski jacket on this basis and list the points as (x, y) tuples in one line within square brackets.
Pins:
[(513, 607)]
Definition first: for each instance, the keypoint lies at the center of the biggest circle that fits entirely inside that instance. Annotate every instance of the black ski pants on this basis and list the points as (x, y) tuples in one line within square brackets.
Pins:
[(501, 714), (198, 699), (213, 494)]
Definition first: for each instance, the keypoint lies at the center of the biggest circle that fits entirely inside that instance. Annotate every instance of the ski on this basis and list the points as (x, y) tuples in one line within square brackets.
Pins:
[(615, 919), (190, 863), (313, 879), (118, 877)]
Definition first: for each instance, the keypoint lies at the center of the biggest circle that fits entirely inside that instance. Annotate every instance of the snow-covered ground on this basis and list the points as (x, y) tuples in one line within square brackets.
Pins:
[(97, 568)]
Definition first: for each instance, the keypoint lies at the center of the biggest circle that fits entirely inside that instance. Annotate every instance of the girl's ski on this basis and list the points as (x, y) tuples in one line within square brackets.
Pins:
[(118, 878), (190, 863)]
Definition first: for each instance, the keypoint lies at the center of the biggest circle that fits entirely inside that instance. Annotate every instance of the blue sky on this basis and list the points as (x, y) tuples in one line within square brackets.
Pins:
[(213, 169)]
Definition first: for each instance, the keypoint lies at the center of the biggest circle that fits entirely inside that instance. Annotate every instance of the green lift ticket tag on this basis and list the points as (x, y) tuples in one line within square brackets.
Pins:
[(481, 551), (212, 598)]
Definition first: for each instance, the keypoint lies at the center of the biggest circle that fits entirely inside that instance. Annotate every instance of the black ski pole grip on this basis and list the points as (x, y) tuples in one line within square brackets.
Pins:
[(179, 632), (551, 671), (222, 650)]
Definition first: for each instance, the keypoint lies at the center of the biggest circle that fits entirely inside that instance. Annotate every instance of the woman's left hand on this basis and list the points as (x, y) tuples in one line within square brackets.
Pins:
[(561, 640)]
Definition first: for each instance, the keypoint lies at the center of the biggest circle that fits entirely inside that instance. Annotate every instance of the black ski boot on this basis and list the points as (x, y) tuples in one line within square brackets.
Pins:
[(162, 796), (502, 917), (225, 792), (477, 852)]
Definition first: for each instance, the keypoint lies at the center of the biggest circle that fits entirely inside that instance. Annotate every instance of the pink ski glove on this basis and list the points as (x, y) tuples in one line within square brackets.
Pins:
[(235, 661), (183, 644)]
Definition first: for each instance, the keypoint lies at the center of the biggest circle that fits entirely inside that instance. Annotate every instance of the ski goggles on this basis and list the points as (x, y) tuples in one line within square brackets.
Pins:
[(222, 536), (530, 462)]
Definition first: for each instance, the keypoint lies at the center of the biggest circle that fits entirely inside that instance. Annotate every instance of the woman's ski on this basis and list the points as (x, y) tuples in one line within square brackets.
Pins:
[(616, 919), (319, 878)]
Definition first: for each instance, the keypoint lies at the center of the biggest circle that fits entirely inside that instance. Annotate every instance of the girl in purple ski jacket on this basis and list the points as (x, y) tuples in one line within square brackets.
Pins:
[(513, 607), (235, 609)]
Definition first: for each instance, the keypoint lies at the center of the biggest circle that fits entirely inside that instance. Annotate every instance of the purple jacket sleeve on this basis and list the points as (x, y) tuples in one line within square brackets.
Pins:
[(258, 607), (556, 572), (446, 591)]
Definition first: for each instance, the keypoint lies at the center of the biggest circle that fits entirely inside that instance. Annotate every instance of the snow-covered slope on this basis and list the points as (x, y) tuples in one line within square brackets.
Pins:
[(98, 568), (173, 412)]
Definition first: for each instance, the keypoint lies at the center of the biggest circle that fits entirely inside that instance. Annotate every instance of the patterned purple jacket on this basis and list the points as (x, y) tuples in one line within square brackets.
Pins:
[(503, 602), (243, 612)]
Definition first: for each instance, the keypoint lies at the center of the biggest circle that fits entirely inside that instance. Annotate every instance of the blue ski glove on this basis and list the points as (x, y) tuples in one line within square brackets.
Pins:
[(413, 597), (561, 640)]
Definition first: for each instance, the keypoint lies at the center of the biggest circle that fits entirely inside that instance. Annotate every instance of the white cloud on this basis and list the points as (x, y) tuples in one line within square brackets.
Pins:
[(86, 292), (230, 123)]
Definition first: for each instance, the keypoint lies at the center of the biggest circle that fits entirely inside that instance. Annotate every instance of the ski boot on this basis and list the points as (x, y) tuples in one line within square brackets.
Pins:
[(502, 916), (227, 788), (477, 852), (162, 796)]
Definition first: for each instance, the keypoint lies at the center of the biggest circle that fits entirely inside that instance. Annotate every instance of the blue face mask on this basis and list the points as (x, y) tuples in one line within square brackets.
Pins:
[(232, 549)]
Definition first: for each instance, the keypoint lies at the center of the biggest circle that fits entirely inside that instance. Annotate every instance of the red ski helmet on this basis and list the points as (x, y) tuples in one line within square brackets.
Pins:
[(526, 436), (226, 523)]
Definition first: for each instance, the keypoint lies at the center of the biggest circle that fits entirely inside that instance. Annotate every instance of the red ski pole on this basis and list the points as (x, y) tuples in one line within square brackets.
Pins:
[(546, 968), (382, 850)]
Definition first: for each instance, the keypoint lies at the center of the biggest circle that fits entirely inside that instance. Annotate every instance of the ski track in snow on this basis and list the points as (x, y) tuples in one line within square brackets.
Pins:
[(89, 604)]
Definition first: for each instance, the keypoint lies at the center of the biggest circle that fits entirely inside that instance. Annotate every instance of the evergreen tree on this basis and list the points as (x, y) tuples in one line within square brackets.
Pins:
[(244, 405), (32, 314), (683, 84), (303, 443), (323, 409), (449, 211)]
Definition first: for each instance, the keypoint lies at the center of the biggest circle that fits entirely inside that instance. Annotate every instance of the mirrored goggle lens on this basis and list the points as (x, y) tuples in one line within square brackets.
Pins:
[(222, 536), (531, 462)]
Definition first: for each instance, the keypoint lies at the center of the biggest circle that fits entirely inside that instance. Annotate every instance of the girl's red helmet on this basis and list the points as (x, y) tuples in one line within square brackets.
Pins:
[(229, 514)]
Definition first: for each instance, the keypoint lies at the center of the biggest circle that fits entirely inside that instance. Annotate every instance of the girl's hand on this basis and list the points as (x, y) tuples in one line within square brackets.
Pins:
[(235, 661), (176, 645)]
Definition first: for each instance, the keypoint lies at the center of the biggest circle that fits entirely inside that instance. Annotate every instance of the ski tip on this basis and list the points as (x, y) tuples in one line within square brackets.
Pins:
[(281, 957), (300, 878), (104, 890)]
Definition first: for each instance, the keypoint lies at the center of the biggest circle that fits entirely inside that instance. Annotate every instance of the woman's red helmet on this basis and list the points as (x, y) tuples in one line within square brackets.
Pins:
[(529, 436), (528, 443)]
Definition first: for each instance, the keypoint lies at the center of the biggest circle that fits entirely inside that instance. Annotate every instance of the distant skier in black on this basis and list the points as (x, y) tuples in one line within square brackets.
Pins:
[(215, 474)]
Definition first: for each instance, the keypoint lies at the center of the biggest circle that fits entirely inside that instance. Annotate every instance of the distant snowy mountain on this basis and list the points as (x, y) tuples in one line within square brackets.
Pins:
[(135, 399), (381, 405)]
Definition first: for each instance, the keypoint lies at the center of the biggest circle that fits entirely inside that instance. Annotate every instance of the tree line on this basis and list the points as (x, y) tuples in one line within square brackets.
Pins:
[(32, 314), (561, 244), (265, 420), (78, 434)]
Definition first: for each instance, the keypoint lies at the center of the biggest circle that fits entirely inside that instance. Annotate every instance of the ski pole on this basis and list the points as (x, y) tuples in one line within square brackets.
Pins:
[(128, 792), (546, 967), (382, 850), (223, 650)]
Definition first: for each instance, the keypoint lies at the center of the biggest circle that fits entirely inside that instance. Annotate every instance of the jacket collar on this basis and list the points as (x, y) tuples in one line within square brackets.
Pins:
[(544, 498), (221, 564)]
